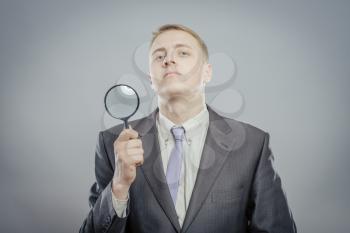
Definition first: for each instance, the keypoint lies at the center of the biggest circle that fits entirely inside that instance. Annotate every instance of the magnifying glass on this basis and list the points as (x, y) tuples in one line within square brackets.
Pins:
[(122, 102)]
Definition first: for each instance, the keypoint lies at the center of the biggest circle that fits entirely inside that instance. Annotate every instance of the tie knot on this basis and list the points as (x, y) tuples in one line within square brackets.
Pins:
[(178, 132)]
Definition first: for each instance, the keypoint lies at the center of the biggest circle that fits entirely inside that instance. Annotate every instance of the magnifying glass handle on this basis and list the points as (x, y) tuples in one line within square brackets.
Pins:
[(126, 124)]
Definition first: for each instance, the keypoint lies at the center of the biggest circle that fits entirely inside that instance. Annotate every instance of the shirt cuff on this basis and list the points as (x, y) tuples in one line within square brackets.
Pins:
[(120, 206)]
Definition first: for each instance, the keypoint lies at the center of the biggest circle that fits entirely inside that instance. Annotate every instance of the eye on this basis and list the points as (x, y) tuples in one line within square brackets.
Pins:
[(159, 57), (184, 53)]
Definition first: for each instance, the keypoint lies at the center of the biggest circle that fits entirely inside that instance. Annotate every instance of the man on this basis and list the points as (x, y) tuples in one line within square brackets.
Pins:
[(185, 168)]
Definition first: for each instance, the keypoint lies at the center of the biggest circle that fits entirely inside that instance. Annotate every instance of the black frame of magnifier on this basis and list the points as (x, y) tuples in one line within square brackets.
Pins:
[(124, 119)]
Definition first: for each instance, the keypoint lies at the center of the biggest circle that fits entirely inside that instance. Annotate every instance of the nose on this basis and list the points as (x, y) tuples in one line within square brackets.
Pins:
[(169, 59)]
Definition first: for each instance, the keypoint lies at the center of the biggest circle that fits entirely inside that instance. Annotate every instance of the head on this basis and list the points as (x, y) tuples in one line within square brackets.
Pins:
[(178, 62)]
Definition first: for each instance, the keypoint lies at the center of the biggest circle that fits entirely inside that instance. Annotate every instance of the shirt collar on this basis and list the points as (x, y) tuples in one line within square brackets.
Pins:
[(192, 126)]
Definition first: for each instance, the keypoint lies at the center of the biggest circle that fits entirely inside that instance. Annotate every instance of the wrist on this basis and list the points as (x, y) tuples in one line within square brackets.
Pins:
[(120, 191)]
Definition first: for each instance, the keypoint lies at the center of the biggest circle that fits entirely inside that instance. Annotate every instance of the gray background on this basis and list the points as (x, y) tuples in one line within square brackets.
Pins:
[(59, 57)]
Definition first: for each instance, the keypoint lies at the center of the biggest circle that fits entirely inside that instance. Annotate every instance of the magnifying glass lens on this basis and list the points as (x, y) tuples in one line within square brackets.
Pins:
[(121, 101)]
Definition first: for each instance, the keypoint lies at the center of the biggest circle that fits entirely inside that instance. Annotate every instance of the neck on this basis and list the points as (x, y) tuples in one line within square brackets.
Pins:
[(180, 109)]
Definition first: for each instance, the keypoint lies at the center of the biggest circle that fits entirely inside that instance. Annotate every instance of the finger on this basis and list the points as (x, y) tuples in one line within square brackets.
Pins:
[(137, 160), (134, 143), (138, 135), (133, 160), (127, 134), (134, 151)]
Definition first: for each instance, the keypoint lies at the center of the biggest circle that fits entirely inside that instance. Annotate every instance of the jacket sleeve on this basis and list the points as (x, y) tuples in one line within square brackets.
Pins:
[(269, 211), (102, 216)]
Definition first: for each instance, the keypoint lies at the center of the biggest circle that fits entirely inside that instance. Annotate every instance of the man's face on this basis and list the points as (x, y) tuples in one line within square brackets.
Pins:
[(177, 65)]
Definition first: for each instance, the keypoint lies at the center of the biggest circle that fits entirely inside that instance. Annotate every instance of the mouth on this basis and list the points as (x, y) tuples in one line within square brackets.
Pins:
[(169, 74)]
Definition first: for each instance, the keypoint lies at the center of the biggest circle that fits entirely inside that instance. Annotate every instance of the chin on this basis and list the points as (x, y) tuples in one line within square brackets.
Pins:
[(172, 90)]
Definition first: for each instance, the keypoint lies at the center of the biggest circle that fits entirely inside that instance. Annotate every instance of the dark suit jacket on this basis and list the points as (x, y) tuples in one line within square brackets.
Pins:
[(237, 189)]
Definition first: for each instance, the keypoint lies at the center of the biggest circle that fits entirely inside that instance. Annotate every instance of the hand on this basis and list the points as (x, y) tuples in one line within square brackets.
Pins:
[(128, 152)]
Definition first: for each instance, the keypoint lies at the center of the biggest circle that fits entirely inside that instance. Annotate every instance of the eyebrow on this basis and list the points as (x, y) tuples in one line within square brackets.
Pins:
[(176, 46)]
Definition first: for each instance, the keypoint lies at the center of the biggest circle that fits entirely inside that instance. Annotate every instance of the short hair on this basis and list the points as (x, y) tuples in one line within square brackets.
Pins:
[(167, 27)]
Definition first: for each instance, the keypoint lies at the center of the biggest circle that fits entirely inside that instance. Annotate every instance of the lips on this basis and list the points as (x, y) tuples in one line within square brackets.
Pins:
[(172, 73)]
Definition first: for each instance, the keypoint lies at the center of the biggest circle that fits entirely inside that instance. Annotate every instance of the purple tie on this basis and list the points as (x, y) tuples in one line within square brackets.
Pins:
[(175, 162)]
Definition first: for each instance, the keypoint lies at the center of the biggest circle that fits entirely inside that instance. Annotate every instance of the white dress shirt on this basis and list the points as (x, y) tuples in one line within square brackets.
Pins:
[(195, 133)]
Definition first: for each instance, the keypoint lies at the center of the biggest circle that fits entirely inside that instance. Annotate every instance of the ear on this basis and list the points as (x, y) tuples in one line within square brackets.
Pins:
[(208, 71), (150, 80)]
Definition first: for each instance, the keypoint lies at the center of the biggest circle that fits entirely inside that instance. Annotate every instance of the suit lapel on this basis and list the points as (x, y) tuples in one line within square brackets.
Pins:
[(153, 168), (217, 145)]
